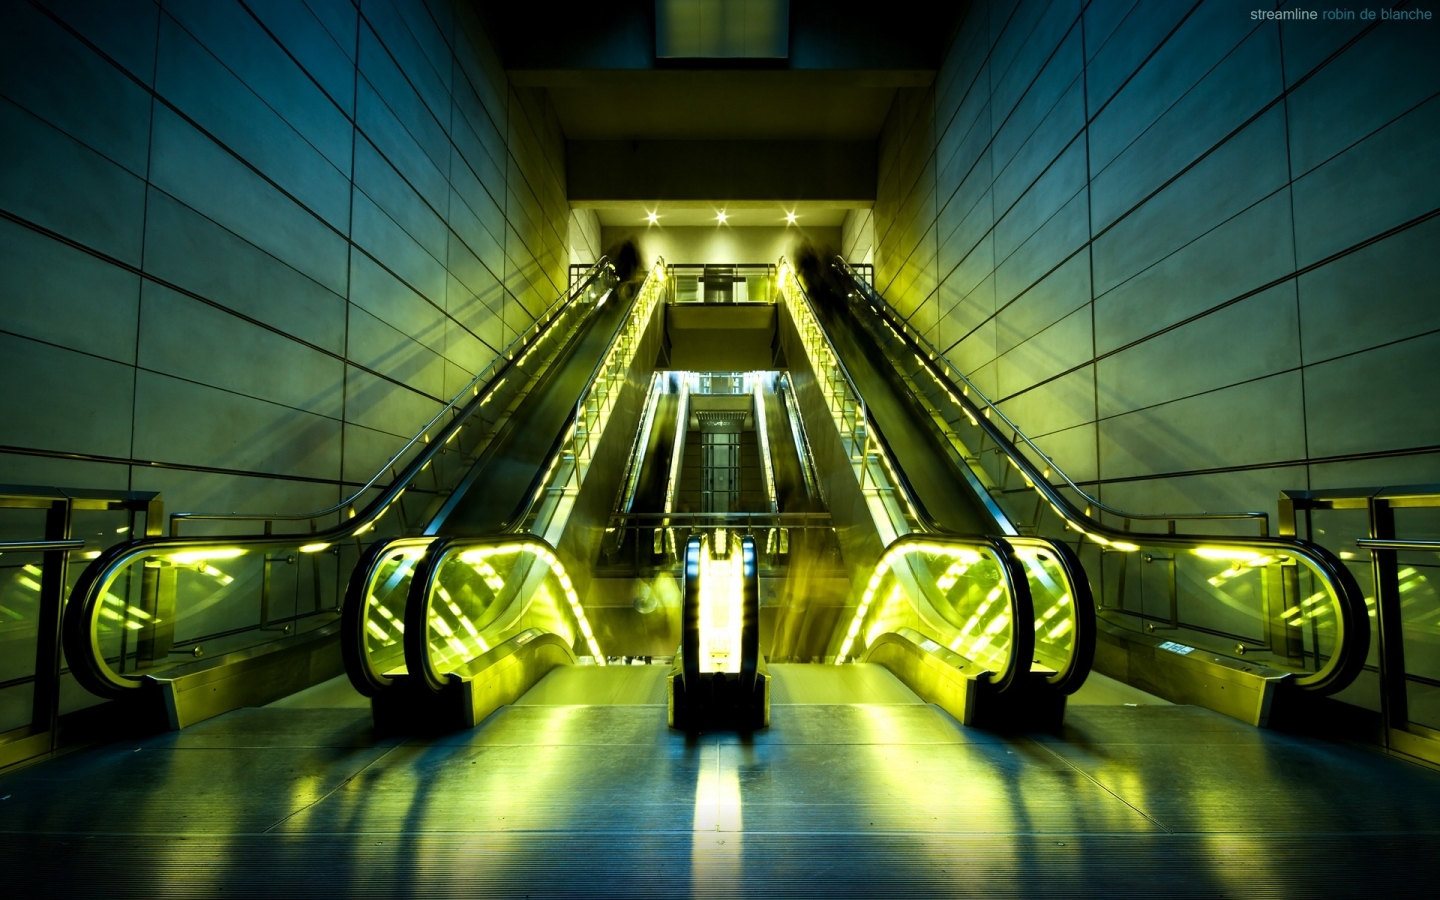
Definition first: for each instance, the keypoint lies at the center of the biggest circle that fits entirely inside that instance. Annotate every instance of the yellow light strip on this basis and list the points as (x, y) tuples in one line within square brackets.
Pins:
[(964, 555), (546, 555)]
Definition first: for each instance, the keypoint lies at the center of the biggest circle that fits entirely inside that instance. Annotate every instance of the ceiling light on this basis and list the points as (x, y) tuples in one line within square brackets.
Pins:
[(789, 218), (652, 218), (721, 217)]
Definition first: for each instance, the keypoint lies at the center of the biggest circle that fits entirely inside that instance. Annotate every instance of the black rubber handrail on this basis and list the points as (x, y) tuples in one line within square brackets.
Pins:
[(1077, 668), (80, 637), (1352, 640), (417, 659)]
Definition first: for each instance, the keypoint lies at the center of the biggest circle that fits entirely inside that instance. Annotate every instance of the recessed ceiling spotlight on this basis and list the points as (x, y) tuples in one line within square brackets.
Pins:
[(652, 218), (789, 218), (721, 217)]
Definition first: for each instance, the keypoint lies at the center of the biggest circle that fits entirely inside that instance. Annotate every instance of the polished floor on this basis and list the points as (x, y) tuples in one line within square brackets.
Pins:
[(580, 789)]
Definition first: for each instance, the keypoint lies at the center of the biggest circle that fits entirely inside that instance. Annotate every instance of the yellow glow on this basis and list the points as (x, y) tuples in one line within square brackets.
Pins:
[(790, 218), (189, 557), (476, 556), (652, 218), (722, 586), (1226, 553), (314, 548), (721, 217), (1125, 546)]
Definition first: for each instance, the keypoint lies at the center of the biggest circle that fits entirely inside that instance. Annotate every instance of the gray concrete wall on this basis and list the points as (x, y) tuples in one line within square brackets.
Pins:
[(1193, 253), (246, 248)]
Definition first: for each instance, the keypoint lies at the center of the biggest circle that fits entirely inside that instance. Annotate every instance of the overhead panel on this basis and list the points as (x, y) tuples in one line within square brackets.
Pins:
[(722, 29)]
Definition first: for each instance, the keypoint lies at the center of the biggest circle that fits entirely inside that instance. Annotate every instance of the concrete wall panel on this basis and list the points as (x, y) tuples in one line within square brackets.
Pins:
[(1258, 266), (228, 275)]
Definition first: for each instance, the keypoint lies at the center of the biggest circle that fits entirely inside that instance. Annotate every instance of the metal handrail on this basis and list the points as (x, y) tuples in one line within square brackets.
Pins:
[(1379, 544), (502, 359), (39, 546), (557, 449), (81, 641), (1352, 621), (353, 610), (931, 355)]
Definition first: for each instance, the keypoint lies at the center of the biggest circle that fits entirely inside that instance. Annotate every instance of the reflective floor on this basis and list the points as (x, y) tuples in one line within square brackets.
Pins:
[(580, 789)]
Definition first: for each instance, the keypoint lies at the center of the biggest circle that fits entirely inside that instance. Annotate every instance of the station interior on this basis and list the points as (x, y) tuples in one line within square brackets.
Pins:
[(719, 448)]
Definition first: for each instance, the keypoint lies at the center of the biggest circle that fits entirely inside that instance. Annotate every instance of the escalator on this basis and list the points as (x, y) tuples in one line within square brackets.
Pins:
[(442, 626), (994, 625), (874, 508), (1254, 626), (185, 627)]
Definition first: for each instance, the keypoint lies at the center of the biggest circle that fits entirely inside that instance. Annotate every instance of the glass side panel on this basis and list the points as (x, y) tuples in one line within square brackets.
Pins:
[(204, 597), (19, 611), (1269, 607), (385, 608), (1054, 605), (484, 595), (954, 593)]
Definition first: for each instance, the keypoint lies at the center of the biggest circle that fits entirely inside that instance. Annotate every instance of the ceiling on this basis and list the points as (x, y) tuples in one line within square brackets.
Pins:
[(722, 105), (845, 60)]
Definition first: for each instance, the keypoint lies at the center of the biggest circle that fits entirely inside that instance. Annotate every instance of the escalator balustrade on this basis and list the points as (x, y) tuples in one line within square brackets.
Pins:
[(719, 678), (260, 613), (429, 616), (1044, 584), (1247, 625)]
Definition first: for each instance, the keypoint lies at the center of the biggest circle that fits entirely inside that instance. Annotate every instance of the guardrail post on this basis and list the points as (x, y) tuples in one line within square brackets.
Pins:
[(1394, 703), (46, 702)]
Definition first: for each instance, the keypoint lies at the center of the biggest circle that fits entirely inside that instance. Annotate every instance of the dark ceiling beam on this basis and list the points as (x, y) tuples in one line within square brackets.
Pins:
[(744, 79), (600, 171), (620, 34)]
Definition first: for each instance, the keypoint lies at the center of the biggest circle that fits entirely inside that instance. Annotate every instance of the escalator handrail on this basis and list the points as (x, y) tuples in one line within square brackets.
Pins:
[(1072, 675), (1352, 639), (485, 376), (1022, 604), (1077, 668), (419, 666), (357, 591), (929, 355), (542, 475), (354, 616), (79, 635), (928, 522)]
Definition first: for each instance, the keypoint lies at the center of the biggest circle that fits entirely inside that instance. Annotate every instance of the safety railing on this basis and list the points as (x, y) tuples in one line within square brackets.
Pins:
[(1396, 533), (68, 526), (1001, 454), (238, 591), (737, 283), (1053, 578), (1278, 601), (388, 579), (646, 542)]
